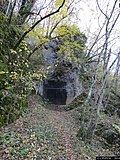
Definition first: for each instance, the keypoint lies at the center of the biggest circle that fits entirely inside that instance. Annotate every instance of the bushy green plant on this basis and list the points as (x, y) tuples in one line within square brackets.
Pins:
[(15, 77)]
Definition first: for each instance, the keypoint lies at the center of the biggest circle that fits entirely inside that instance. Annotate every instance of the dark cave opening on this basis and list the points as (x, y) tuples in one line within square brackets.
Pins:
[(55, 91)]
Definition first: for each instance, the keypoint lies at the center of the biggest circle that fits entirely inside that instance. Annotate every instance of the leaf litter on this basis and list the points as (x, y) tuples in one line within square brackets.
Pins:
[(48, 132)]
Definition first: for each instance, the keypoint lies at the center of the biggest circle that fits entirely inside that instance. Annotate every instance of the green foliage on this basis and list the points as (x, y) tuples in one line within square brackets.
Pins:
[(14, 72), (72, 42), (37, 36)]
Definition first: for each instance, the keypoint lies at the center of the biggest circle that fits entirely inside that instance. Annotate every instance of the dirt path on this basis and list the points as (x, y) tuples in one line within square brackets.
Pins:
[(46, 133), (60, 120)]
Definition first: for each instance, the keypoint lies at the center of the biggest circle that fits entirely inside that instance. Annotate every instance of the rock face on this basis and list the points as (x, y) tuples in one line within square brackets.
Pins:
[(63, 83), (73, 85), (110, 133)]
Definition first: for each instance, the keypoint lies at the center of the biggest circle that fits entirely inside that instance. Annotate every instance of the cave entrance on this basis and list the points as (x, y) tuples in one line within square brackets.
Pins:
[(55, 91)]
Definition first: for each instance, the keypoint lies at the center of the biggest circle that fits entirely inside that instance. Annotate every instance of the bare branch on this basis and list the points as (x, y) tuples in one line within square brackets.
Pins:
[(42, 18), (101, 9), (10, 18), (96, 40), (56, 26)]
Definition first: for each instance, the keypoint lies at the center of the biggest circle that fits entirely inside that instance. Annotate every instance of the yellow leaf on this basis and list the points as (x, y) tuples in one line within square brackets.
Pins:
[(48, 67)]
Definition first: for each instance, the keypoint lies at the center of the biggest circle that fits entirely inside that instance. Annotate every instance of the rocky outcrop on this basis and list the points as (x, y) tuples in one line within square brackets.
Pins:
[(60, 70), (110, 133)]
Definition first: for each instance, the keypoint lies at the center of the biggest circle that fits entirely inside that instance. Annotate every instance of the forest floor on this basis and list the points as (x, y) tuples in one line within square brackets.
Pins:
[(46, 132)]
